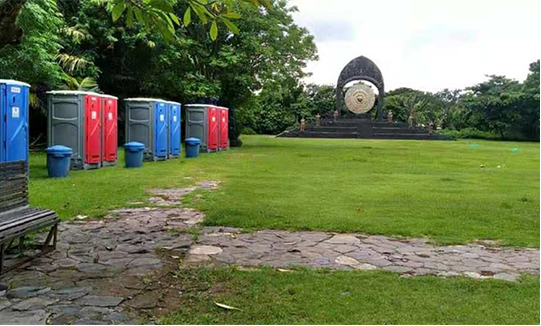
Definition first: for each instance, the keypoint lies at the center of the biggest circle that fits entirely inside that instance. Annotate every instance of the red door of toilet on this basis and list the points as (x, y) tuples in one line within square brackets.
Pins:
[(92, 121), (110, 129), (224, 128), (212, 128)]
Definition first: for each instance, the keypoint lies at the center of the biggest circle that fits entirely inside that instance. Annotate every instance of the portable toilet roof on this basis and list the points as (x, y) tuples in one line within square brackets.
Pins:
[(68, 92), (13, 82), (144, 99), (200, 105), (109, 96)]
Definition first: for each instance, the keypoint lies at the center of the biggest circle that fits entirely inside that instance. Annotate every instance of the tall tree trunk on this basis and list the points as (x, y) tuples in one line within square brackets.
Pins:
[(10, 33)]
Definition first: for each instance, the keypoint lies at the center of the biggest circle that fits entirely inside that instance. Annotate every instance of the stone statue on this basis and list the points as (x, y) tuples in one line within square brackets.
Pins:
[(303, 124), (410, 121), (390, 116), (335, 115), (318, 120)]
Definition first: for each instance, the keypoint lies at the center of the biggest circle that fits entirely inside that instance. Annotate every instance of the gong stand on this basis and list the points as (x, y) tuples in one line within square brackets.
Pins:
[(360, 69)]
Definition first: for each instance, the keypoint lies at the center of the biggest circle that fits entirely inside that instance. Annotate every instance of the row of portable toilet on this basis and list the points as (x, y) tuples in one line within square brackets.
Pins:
[(156, 123), (87, 123), (14, 97)]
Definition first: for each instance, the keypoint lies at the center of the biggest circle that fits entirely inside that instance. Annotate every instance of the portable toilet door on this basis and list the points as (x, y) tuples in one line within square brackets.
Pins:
[(223, 117), (196, 123), (109, 144), (212, 122), (92, 134), (74, 120), (160, 131), (174, 130), (14, 123)]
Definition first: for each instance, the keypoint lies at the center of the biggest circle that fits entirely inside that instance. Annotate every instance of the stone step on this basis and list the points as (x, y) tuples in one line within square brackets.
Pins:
[(425, 136), (323, 134), (332, 129), (399, 130)]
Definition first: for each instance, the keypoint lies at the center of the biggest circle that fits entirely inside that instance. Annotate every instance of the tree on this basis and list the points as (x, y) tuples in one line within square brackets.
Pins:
[(154, 15), (530, 110), (10, 32), (495, 104)]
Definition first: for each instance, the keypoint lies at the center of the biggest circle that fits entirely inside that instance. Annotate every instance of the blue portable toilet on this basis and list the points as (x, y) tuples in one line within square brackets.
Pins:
[(14, 120), (146, 123), (174, 129)]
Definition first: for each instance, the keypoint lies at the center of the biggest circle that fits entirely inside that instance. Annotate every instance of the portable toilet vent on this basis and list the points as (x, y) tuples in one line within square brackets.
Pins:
[(74, 120), (146, 123), (14, 124), (202, 123)]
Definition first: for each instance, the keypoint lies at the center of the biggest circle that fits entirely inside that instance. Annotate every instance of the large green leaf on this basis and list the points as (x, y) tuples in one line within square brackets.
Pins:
[(118, 10), (188, 17), (214, 30)]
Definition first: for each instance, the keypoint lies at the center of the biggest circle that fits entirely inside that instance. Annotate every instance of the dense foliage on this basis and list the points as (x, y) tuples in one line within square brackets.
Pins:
[(129, 48)]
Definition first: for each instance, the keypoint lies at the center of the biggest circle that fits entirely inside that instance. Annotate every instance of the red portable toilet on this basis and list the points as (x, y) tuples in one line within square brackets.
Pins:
[(74, 120), (223, 118), (202, 122), (109, 143)]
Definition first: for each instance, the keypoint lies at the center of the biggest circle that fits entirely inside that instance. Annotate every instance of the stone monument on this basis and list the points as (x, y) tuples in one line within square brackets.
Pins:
[(360, 100)]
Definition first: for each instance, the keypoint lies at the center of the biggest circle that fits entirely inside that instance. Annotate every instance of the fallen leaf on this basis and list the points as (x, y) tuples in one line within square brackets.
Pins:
[(284, 270), (221, 305)]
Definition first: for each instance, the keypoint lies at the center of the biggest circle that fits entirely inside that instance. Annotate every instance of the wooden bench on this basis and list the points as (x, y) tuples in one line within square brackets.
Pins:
[(17, 219)]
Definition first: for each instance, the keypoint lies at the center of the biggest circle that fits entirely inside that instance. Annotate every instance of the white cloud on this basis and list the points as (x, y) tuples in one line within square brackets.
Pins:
[(428, 45)]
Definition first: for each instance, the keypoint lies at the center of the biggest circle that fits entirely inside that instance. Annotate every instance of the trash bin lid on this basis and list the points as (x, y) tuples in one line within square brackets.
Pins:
[(59, 149), (134, 145), (193, 141)]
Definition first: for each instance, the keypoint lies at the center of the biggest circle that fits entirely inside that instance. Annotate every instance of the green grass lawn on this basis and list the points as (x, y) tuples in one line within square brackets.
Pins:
[(406, 188), (316, 297)]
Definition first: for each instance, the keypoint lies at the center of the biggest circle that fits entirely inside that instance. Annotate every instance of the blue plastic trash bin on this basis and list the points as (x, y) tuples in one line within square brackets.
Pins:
[(58, 161), (192, 147), (134, 154)]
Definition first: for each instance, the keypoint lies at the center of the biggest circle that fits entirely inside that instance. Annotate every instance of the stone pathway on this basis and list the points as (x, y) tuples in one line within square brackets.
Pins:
[(99, 272), (284, 249), (108, 271)]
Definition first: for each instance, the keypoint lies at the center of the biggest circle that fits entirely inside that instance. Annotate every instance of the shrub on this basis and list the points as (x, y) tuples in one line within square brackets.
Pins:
[(248, 131)]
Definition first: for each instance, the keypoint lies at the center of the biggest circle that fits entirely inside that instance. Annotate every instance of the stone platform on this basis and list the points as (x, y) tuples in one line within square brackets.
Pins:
[(363, 128)]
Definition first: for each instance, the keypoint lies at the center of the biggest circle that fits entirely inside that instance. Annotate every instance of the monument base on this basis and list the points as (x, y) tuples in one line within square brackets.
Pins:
[(363, 128)]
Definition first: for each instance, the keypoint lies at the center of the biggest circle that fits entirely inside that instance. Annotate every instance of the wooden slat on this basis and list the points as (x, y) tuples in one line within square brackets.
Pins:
[(13, 186), (22, 215), (26, 228), (7, 184)]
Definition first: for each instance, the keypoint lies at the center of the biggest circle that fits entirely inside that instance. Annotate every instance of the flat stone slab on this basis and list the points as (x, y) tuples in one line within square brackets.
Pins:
[(35, 317), (27, 291), (34, 303), (205, 250), (70, 293), (99, 301)]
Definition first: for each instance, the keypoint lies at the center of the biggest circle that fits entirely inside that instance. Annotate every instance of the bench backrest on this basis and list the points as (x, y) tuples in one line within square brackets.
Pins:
[(13, 185)]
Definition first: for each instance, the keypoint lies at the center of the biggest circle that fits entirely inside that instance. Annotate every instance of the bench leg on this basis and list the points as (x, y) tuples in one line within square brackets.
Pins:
[(2, 246), (21, 243), (55, 236)]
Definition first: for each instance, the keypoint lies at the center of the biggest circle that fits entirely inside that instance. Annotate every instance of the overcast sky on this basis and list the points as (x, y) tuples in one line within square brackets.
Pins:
[(427, 45)]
